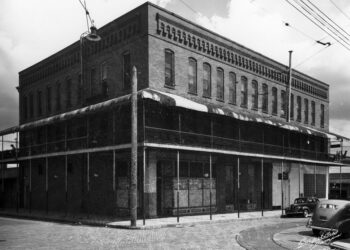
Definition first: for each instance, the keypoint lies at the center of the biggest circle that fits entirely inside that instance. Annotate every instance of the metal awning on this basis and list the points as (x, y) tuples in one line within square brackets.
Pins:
[(178, 101)]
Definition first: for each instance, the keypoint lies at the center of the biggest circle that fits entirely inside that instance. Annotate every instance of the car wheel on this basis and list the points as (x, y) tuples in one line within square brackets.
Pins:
[(306, 213), (316, 232)]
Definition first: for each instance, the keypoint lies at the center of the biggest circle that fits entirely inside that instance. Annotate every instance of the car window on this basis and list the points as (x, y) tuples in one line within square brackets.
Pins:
[(329, 206)]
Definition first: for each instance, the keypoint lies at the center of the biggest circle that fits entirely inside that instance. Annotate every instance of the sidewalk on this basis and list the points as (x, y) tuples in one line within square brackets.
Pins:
[(114, 222)]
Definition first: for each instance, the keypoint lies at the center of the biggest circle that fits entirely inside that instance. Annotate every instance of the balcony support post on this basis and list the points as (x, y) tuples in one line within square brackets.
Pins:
[(262, 186), (238, 188), (282, 194), (210, 186), (178, 185)]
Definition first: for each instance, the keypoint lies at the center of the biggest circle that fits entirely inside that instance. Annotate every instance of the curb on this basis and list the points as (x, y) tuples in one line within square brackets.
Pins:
[(143, 227), (188, 224)]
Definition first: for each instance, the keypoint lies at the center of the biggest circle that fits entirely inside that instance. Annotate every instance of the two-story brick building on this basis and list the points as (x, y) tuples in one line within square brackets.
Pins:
[(212, 124)]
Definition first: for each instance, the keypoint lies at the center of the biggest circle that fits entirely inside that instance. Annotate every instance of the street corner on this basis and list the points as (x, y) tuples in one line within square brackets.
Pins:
[(302, 238)]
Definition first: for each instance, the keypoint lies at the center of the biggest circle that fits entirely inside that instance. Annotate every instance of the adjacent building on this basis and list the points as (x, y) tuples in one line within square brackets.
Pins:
[(213, 134)]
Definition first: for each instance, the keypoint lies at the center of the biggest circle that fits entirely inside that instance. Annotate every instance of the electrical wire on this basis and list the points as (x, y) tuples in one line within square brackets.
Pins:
[(308, 58), (328, 17), (320, 22), (324, 22), (331, 35), (189, 7), (337, 7)]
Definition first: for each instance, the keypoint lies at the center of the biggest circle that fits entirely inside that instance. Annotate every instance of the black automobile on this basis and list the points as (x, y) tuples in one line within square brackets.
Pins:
[(331, 216), (302, 206)]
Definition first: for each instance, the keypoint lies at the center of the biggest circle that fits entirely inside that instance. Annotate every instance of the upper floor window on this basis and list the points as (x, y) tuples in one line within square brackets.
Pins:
[(192, 76), (92, 81), (244, 92), (232, 88), (25, 108), (104, 71), (104, 76), (322, 116), (39, 103), (31, 105), (291, 107), (48, 99), (169, 68), (126, 71), (220, 84), (306, 110), (206, 80), (313, 113), (255, 95), (58, 96), (68, 93), (265, 98), (283, 103), (298, 108), (274, 101)]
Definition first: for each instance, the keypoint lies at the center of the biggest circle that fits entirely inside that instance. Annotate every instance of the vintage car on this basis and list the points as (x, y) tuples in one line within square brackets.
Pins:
[(302, 206), (332, 216)]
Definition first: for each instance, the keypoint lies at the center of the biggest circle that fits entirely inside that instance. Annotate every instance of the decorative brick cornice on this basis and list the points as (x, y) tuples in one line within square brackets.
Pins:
[(195, 40), (70, 56)]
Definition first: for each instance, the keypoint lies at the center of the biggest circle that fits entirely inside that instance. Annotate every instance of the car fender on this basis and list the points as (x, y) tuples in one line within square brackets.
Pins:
[(306, 207), (343, 226)]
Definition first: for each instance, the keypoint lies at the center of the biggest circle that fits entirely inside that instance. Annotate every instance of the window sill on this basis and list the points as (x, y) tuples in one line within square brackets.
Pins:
[(220, 100), (207, 97), (265, 111), (274, 114), (232, 103), (244, 106), (191, 93), (169, 87), (255, 109)]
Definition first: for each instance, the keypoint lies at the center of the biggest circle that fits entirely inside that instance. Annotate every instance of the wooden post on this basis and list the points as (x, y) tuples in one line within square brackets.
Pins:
[(30, 185), (66, 181), (47, 183), (88, 182), (133, 175), (262, 187), (282, 195), (210, 185), (238, 187), (178, 186), (143, 185), (289, 89)]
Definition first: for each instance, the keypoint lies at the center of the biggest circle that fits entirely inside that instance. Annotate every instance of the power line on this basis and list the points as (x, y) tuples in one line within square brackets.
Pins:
[(331, 35), (328, 17), (189, 7), (324, 22), (308, 58), (320, 22), (336, 6)]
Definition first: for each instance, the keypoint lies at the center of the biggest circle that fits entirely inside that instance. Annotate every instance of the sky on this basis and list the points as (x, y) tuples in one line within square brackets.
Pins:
[(33, 30)]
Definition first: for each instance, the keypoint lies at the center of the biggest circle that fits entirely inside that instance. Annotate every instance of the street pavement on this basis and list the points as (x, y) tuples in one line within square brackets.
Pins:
[(301, 237), (28, 234)]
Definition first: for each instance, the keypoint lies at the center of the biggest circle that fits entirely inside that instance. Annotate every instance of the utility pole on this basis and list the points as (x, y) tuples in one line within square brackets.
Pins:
[(133, 175), (289, 87)]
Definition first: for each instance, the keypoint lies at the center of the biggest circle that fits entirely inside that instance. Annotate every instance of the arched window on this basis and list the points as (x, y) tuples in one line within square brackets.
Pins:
[(274, 101), (233, 88), (206, 80), (126, 70), (306, 111), (244, 92), (291, 107), (220, 84), (313, 113), (255, 95), (322, 116), (298, 108), (192, 76), (283, 103), (265, 98), (169, 68)]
